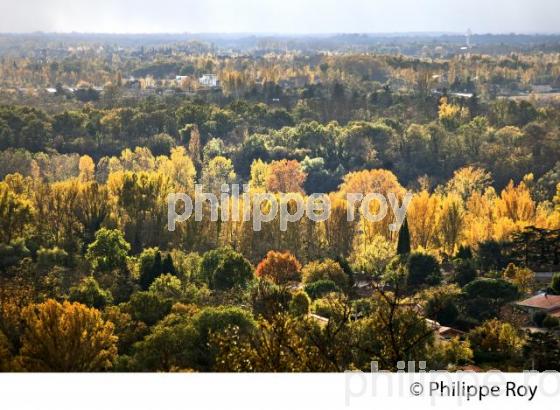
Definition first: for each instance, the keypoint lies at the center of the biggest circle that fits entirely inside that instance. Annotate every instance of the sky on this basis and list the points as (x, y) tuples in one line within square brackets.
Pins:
[(280, 16)]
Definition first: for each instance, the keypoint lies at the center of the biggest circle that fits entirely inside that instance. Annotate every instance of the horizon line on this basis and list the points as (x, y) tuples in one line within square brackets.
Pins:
[(292, 34)]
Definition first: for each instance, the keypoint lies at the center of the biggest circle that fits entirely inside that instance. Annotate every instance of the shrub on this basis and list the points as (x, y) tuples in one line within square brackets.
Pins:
[(269, 299), (167, 286), (422, 269), (325, 270), (148, 307), (320, 288), (299, 305), (89, 293), (550, 322), (464, 271)]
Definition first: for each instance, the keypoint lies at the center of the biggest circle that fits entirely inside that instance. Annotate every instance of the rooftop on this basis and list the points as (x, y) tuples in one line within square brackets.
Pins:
[(542, 301)]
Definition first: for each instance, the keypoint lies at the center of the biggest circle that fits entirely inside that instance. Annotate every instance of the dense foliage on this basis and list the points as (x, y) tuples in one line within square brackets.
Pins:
[(92, 279)]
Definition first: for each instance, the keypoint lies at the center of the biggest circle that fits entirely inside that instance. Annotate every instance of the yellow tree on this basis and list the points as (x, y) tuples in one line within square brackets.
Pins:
[(218, 171), (339, 232), (259, 175), (451, 115), (180, 169), (523, 278), (479, 217), (468, 180), (195, 146), (421, 216), (450, 222), (67, 337), (367, 181), (15, 213), (86, 168), (515, 203), (378, 181)]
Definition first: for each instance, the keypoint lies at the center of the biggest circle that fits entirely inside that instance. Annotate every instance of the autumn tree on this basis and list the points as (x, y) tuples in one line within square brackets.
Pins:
[(422, 216), (451, 222), (258, 176), (523, 278), (180, 169), (285, 176), (496, 342), (15, 213), (67, 337), (87, 169), (468, 180), (218, 171), (279, 267)]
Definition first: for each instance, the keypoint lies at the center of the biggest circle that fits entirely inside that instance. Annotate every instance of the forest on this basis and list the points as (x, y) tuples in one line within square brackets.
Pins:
[(96, 132)]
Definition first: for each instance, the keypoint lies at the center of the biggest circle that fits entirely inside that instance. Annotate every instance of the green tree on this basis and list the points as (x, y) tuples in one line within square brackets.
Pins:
[(542, 352), (109, 251), (483, 298), (321, 288), (148, 307), (225, 268), (169, 346), (327, 269), (212, 321), (299, 305), (90, 294), (150, 266), (422, 269), (167, 286), (403, 244), (464, 271)]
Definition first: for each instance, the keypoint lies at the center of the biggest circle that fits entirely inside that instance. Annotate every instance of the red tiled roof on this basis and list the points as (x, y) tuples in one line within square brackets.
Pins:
[(542, 301)]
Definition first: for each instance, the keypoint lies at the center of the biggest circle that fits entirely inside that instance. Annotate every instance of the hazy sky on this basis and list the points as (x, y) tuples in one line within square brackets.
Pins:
[(280, 16)]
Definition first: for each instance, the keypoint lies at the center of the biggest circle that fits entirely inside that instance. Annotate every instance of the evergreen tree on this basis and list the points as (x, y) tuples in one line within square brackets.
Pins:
[(403, 245), (542, 352), (150, 267), (157, 269), (168, 266)]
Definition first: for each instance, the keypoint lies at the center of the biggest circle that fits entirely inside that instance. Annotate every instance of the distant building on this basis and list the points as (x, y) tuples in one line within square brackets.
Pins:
[(209, 80), (542, 302), (444, 332)]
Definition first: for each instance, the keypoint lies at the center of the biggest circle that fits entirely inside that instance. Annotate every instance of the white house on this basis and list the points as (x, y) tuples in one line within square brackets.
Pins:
[(209, 80)]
